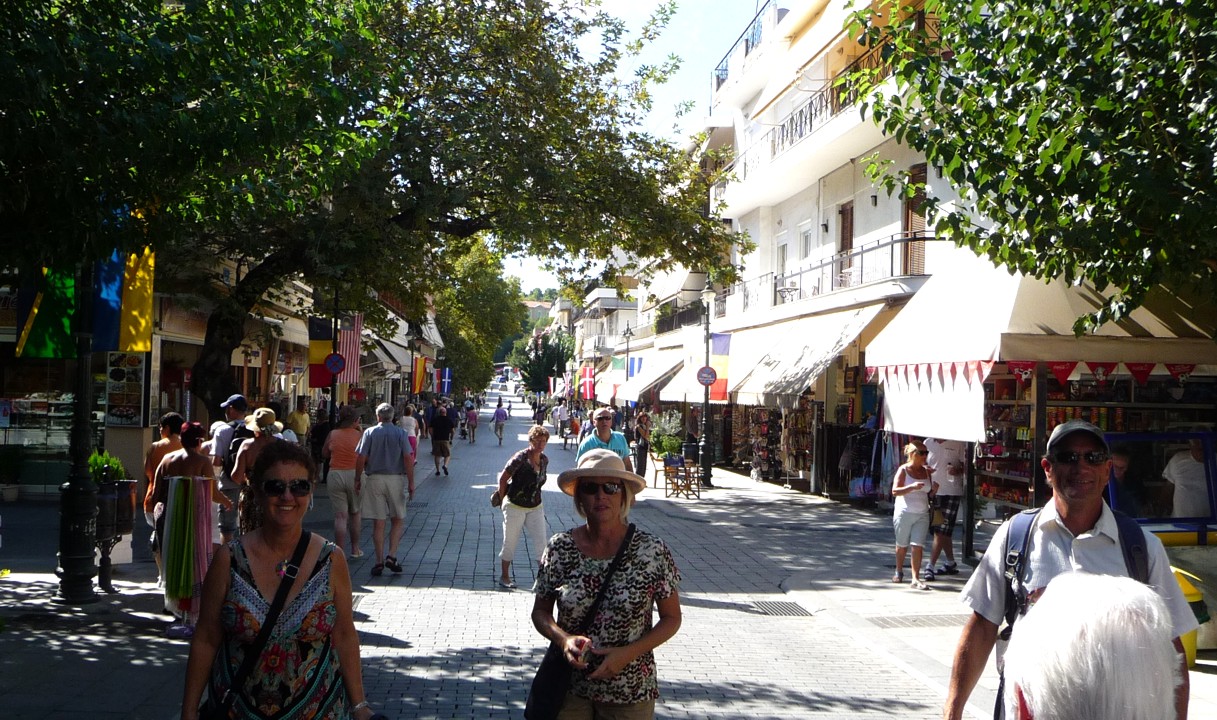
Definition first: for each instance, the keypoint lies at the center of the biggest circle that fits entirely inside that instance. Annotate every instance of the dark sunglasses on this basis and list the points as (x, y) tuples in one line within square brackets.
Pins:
[(275, 488), (606, 418), (921, 452), (590, 488), (1068, 457)]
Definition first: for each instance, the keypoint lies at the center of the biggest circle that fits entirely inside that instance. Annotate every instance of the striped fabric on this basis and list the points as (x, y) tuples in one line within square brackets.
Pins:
[(350, 347)]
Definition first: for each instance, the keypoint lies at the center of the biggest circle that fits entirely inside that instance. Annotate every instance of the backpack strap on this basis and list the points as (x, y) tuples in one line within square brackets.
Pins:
[(1132, 543), (1017, 542)]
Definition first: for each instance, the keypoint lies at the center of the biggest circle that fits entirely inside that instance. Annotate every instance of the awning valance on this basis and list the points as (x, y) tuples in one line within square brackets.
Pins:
[(656, 367), (810, 345)]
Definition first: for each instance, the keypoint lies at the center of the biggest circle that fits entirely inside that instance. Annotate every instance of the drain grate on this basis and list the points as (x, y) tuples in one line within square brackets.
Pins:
[(923, 621), (781, 609), (416, 505)]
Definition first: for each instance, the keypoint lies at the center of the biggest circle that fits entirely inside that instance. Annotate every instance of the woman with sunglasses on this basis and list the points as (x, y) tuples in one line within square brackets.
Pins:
[(520, 491), (313, 646), (612, 661), (913, 489)]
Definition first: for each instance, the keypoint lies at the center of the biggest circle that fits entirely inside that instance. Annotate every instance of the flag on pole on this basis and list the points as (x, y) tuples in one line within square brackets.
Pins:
[(551, 384), (635, 367), (587, 383), (320, 344), (446, 381), (350, 346), (420, 374), (720, 351)]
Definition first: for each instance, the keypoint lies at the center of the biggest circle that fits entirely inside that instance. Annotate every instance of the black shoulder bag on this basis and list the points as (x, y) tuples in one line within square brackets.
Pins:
[(214, 709), (549, 687)]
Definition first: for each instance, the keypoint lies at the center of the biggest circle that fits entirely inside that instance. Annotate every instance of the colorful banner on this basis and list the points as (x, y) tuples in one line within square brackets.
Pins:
[(445, 380), (587, 383), (1140, 371), (1021, 370), (1180, 372), (419, 376), (350, 346), (720, 352), (1101, 371), (1062, 370), (633, 367), (320, 344)]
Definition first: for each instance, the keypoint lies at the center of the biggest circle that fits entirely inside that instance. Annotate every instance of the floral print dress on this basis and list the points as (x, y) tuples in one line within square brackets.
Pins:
[(647, 573), (298, 675)]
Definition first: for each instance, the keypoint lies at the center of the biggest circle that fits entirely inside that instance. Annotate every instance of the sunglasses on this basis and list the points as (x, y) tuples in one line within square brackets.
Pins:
[(921, 452), (590, 488), (275, 488), (1068, 457), (606, 418)]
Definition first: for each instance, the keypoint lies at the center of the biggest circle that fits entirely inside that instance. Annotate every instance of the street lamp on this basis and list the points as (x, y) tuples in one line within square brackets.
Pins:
[(627, 335), (707, 300)]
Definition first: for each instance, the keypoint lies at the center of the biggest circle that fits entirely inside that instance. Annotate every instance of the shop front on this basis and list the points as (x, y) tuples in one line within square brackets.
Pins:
[(1003, 369)]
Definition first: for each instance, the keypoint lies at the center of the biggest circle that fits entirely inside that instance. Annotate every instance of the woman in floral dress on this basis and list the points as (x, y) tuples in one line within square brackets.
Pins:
[(614, 666), (309, 667)]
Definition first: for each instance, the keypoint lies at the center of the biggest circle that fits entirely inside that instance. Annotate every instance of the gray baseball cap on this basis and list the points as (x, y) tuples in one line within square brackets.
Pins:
[(1071, 426)]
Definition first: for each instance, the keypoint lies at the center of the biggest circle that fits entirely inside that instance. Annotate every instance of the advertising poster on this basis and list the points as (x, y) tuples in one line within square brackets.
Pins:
[(126, 375)]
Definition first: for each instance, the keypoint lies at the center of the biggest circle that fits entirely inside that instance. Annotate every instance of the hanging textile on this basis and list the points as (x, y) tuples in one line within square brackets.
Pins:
[(186, 543)]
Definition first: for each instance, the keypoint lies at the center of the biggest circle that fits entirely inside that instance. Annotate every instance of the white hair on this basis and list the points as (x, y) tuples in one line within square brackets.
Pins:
[(384, 412), (1094, 647)]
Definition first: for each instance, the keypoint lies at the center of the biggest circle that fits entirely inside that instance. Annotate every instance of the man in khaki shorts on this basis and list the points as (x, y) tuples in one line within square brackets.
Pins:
[(384, 452)]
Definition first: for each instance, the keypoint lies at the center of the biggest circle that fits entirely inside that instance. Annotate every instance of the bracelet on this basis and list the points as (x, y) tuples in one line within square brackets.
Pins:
[(360, 706)]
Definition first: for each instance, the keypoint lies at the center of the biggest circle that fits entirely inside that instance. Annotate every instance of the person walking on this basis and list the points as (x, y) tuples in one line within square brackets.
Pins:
[(1075, 529), (500, 421), (520, 491), (611, 653), (384, 453), (913, 488), (224, 456), (309, 665), (409, 423), (950, 465), (471, 422), (604, 437), (339, 452), (442, 429), (642, 441), (298, 420), (264, 427)]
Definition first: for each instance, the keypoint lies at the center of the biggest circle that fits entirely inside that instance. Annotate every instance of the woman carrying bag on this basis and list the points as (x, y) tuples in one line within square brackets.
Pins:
[(604, 578)]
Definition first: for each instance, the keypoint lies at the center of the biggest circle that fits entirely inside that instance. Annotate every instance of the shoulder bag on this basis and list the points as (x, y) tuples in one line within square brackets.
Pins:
[(217, 709), (549, 687)]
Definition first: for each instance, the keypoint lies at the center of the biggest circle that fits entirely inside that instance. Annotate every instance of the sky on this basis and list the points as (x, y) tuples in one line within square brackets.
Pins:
[(700, 34)]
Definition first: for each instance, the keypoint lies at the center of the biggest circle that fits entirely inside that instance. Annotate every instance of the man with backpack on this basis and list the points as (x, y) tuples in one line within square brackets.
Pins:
[(227, 441), (1076, 531)]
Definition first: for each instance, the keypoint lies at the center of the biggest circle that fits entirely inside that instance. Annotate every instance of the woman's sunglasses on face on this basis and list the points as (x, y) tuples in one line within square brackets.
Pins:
[(275, 487), (590, 488)]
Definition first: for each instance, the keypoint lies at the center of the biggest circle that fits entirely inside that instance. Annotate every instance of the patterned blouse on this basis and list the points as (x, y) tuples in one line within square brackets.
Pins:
[(298, 675), (647, 573), (524, 485)]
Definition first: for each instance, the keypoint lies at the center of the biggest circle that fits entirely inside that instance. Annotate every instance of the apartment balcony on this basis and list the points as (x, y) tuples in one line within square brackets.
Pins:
[(602, 301), (867, 266), (679, 316), (746, 67)]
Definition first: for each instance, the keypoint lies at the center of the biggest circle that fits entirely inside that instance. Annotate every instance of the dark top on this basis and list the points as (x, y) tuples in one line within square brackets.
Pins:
[(441, 428), (524, 486)]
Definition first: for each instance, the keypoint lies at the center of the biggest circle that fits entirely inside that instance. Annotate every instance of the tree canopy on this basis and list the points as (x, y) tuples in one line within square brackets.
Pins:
[(1080, 134), (357, 146)]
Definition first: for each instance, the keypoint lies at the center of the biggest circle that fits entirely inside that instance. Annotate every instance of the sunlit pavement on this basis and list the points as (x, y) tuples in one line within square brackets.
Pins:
[(789, 612)]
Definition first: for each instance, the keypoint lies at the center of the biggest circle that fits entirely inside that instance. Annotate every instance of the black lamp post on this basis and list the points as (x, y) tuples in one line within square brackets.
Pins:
[(707, 300), (627, 335)]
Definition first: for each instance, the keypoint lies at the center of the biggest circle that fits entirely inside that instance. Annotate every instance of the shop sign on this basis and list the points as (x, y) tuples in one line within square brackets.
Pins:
[(1140, 371), (126, 377), (1062, 370)]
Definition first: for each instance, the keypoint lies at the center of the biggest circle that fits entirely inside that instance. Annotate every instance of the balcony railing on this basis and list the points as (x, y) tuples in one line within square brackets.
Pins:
[(690, 314), (895, 256), (750, 39)]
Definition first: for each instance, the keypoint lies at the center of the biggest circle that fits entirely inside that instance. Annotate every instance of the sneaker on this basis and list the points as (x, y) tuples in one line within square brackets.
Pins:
[(948, 569)]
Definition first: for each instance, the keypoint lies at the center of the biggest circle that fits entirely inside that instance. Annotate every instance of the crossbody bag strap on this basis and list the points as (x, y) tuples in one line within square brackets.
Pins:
[(608, 577), (254, 650)]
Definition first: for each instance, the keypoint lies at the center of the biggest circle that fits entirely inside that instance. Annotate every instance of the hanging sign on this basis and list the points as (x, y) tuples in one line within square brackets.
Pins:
[(1101, 371), (1062, 370), (1140, 371), (870, 372), (1179, 371), (1021, 370)]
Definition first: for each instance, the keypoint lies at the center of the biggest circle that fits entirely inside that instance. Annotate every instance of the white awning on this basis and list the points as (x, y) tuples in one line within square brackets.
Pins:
[(977, 314), (399, 354), (810, 345), (607, 383), (656, 367)]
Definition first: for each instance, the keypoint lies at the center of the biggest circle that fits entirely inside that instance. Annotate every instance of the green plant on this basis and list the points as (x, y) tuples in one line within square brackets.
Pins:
[(97, 467)]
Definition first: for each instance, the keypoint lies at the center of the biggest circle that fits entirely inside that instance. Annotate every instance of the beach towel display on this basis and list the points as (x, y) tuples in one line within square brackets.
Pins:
[(186, 544)]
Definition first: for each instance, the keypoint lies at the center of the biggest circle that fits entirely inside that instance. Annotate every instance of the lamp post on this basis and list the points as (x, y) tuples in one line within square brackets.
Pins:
[(627, 335), (707, 300)]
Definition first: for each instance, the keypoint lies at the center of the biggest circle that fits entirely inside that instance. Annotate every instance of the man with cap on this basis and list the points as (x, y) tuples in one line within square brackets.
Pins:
[(235, 409), (384, 453), (1076, 531), (605, 437)]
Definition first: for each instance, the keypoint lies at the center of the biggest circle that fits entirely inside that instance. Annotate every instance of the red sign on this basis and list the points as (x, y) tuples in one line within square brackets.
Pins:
[(1180, 372), (1062, 370), (706, 376), (1021, 369), (1101, 371), (1140, 371)]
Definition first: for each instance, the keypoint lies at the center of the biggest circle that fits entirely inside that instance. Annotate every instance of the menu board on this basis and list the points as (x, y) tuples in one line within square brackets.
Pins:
[(126, 378)]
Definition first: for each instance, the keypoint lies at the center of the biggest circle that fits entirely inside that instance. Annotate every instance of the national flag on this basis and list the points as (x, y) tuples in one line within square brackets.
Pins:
[(551, 384), (720, 352), (320, 344), (350, 347), (439, 380), (633, 367), (587, 383), (420, 374), (122, 308), (446, 381)]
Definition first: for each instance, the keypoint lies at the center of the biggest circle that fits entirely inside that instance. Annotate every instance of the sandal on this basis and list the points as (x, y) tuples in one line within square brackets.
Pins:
[(898, 577), (378, 569), (392, 564), (507, 584)]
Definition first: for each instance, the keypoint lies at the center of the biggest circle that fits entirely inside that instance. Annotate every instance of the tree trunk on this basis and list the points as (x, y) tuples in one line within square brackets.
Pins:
[(211, 379)]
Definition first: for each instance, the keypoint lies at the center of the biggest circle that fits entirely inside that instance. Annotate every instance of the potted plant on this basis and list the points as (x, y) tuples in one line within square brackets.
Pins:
[(12, 459)]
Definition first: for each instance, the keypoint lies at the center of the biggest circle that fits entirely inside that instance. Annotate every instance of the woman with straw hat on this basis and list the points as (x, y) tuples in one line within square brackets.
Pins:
[(610, 653)]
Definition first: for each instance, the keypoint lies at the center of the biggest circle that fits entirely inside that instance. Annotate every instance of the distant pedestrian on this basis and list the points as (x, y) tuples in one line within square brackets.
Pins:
[(520, 489), (540, 413), (471, 422), (442, 429), (384, 454), (170, 441), (948, 459), (913, 488), (409, 423), (298, 420), (264, 427), (339, 452), (500, 421), (604, 437), (224, 448)]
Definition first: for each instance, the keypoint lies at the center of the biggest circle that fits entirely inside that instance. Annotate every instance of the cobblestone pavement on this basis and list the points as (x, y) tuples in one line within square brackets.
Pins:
[(788, 613)]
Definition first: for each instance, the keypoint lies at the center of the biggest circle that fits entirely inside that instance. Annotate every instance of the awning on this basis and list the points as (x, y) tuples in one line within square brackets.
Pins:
[(656, 367), (810, 345), (669, 284), (607, 383), (399, 354), (747, 347), (382, 363), (933, 358)]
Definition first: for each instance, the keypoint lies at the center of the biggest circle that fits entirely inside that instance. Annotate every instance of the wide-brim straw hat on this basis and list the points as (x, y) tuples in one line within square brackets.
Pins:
[(599, 463), (263, 420)]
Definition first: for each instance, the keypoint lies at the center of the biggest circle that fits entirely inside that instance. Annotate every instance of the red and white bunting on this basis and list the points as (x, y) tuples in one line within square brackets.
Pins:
[(1022, 370), (1062, 370), (1179, 371), (1140, 371), (1101, 371)]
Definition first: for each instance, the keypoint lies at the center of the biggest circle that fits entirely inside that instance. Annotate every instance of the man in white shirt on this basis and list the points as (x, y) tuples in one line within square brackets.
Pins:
[(1187, 476), (950, 464)]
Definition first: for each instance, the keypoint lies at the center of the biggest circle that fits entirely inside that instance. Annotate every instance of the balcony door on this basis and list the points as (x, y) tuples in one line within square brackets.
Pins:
[(845, 244), (914, 223)]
